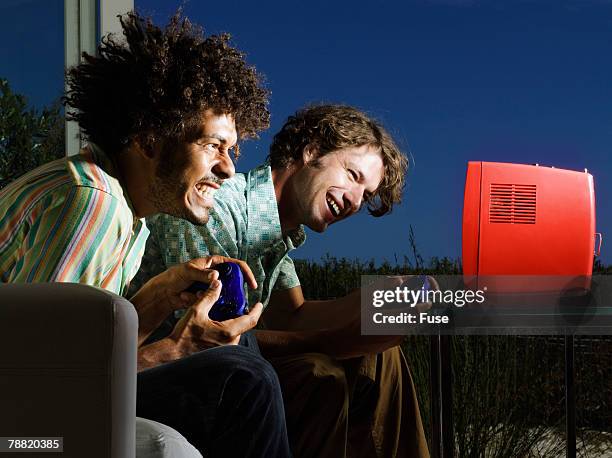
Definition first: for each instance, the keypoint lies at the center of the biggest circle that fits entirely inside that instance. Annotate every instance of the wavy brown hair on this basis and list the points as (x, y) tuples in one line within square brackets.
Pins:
[(332, 127), (153, 85)]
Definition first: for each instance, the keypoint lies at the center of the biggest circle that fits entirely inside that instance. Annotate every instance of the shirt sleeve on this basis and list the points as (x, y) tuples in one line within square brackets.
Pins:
[(76, 236), (287, 276)]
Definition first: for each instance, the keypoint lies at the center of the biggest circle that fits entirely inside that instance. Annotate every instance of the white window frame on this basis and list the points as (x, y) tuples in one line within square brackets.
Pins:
[(81, 34)]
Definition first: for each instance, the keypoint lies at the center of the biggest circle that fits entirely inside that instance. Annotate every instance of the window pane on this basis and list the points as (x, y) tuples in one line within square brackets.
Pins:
[(32, 52), (31, 84)]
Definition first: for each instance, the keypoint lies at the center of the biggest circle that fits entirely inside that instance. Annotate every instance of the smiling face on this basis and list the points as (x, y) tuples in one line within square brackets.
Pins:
[(189, 172), (327, 189)]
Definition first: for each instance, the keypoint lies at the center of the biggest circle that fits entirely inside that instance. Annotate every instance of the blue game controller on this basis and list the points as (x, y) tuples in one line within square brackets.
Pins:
[(232, 301)]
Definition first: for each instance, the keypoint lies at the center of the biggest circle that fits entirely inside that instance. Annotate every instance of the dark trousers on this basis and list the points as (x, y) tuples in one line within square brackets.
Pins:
[(226, 401)]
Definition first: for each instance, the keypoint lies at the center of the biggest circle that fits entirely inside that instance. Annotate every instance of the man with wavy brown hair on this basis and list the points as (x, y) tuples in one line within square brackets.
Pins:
[(325, 164), (328, 128)]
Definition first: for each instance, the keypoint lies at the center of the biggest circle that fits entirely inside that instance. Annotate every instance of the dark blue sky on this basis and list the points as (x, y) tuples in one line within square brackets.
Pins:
[(511, 81), (32, 50)]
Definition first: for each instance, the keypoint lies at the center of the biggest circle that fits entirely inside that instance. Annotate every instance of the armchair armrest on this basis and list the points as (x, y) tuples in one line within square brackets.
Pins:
[(68, 367)]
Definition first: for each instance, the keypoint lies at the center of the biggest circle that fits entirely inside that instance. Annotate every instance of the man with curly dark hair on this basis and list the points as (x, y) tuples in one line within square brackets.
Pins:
[(325, 164), (162, 110)]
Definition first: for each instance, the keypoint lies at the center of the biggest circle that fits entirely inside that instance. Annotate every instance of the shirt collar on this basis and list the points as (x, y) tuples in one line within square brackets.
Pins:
[(296, 238), (106, 163), (103, 160), (263, 218)]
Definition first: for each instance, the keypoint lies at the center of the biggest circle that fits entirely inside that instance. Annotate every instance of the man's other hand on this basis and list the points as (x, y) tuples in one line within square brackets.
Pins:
[(350, 342)]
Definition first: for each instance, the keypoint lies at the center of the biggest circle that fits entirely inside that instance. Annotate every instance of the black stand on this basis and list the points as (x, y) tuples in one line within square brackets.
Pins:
[(441, 395), (570, 398)]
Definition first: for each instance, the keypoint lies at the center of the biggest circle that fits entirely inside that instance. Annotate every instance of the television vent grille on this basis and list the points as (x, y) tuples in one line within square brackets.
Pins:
[(512, 203)]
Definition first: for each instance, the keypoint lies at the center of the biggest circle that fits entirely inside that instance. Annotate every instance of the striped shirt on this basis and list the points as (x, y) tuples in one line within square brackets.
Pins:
[(69, 221)]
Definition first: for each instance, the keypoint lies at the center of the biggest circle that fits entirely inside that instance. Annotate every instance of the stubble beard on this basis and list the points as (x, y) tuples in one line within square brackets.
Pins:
[(168, 190), (310, 220)]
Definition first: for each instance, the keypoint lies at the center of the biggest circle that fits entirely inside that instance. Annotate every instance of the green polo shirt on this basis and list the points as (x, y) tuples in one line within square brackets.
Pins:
[(244, 224)]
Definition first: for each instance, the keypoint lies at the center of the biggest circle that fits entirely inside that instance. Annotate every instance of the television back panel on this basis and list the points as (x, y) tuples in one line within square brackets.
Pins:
[(527, 220)]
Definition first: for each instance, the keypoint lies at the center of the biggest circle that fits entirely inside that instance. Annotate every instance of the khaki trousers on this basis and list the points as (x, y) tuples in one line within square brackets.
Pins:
[(358, 408)]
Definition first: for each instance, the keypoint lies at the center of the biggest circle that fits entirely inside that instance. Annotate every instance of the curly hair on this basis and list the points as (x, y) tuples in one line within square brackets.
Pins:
[(332, 127), (154, 85)]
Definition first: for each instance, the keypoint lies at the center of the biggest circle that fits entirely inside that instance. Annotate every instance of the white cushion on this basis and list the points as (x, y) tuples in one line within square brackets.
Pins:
[(155, 440)]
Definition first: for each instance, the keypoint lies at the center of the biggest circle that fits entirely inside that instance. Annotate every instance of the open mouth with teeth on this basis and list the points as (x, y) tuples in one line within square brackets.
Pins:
[(333, 206), (205, 191)]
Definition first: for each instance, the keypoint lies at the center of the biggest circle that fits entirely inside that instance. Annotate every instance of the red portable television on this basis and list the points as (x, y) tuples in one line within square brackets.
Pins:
[(528, 220)]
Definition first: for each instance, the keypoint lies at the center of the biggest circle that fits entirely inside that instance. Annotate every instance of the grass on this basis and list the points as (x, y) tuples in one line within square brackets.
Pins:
[(508, 391)]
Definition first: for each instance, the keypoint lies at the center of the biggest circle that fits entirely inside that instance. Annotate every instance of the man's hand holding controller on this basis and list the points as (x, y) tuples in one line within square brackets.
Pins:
[(347, 341), (414, 283), (196, 331), (421, 282)]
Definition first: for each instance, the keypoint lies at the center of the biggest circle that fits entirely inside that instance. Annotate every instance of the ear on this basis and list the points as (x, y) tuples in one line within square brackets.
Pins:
[(311, 151), (142, 148)]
